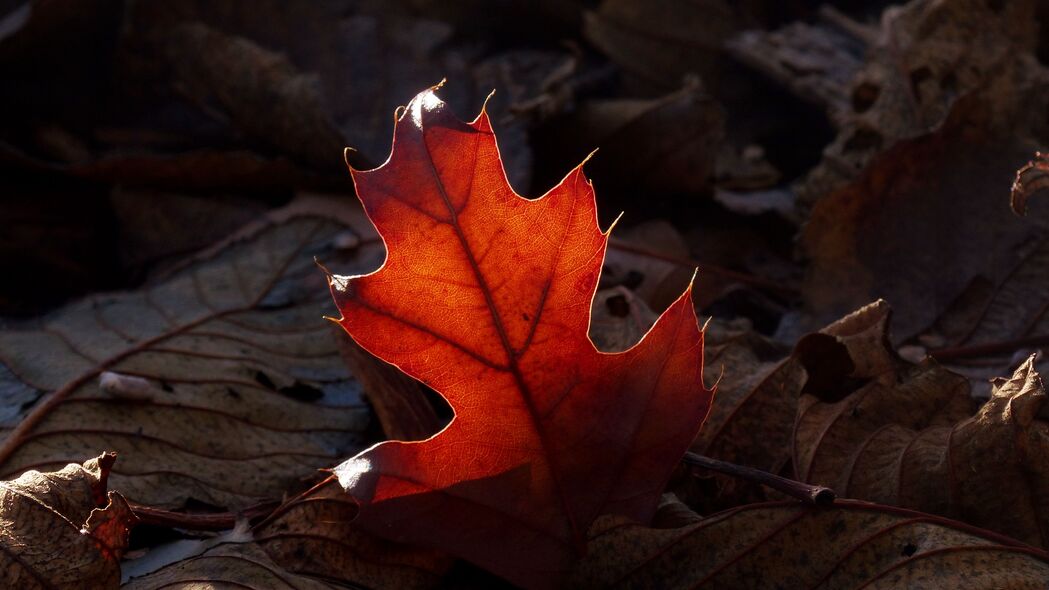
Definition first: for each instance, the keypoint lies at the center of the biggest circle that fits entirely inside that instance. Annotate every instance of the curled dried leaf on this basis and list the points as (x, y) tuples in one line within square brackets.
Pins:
[(62, 530)]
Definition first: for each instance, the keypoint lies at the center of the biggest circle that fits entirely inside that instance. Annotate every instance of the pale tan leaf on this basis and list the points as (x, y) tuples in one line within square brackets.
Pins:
[(221, 384)]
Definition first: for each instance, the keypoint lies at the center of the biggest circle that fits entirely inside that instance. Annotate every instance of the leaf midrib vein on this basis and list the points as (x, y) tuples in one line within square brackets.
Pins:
[(512, 355)]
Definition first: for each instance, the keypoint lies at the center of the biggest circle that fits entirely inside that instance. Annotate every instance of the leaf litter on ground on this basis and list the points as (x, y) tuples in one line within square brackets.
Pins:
[(945, 106)]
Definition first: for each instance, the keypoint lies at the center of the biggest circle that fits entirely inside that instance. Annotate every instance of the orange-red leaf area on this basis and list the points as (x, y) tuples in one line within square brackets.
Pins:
[(485, 296)]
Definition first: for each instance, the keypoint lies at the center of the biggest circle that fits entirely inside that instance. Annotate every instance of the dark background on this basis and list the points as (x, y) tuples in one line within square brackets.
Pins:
[(136, 132)]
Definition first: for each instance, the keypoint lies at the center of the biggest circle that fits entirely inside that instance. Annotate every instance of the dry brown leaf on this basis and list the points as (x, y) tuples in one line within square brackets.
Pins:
[(209, 95), (872, 239), (222, 384), (886, 443), (367, 56), (350, 61), (790, 545), (313, 534), (62, 530), (908, 436), (990, 330)]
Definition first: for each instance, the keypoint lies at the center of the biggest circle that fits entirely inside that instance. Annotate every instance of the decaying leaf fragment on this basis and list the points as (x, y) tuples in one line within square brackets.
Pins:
[(62, 530), (485, 296)]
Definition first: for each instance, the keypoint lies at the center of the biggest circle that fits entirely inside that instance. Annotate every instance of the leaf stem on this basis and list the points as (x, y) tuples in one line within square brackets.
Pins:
[(817, 495), (218, 521)]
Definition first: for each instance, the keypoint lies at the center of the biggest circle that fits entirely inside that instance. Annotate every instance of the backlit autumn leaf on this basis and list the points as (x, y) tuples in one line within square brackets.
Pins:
[(485, 296)]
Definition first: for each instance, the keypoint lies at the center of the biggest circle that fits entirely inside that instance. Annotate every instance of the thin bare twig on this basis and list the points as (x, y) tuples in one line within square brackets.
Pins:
[(219, 521), (811, 494)]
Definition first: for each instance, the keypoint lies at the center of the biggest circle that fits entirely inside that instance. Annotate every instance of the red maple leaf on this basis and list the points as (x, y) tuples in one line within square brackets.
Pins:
[(485, 296)]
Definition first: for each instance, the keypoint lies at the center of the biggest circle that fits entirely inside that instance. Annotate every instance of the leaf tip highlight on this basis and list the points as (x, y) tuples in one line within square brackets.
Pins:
[(588, 156), (612, 226)]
